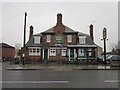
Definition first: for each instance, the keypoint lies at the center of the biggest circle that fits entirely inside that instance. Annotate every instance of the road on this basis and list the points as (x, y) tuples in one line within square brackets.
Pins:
[(60, 79)]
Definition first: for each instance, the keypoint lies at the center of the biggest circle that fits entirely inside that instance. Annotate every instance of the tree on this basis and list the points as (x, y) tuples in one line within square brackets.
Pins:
[(17, 46), (114, 46), (119, 45)]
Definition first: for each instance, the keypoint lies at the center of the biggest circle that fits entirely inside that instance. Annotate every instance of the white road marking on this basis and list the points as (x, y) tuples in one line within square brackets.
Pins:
[(39, 82), (112, 81)]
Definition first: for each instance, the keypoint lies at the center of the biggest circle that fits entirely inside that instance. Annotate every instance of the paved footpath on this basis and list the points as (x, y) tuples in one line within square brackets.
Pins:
[(57, 67)]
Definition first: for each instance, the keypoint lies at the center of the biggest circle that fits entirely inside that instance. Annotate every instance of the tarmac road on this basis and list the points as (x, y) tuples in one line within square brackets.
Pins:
[(60, 79)]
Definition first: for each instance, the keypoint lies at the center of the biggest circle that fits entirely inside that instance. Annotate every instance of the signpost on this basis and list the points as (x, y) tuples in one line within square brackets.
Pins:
[(104, 38)]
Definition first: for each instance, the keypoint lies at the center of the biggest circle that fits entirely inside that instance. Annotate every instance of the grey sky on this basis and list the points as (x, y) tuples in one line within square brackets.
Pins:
[(76, 15)]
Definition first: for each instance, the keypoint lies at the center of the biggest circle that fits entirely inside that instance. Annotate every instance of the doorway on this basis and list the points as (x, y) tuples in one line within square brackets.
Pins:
[(46, 54)]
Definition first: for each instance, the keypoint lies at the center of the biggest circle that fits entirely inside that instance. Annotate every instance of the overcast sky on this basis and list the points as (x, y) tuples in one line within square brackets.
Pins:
[(76, 15)]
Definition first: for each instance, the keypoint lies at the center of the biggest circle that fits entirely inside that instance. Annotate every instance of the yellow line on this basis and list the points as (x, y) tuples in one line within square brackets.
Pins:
[(111, 81), (45, 82)]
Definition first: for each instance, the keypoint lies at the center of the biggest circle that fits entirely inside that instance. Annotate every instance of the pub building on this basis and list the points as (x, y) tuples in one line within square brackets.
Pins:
[(61, 43)]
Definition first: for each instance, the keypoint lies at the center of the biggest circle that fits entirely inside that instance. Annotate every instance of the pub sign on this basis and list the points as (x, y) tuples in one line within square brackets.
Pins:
[(59, 39)]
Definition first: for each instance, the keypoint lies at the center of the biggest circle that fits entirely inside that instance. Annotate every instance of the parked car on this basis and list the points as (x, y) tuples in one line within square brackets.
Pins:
[(115, 60), (108, 58), (101, 58)]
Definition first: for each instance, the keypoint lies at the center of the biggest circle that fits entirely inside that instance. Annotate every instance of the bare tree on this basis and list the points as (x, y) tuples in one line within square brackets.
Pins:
[(114, 46), (119, 45), (17, 46)]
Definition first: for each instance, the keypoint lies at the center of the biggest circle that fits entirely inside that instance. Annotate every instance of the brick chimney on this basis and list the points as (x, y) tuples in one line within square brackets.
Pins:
[(91, 32), (31, 31), (59, 19)]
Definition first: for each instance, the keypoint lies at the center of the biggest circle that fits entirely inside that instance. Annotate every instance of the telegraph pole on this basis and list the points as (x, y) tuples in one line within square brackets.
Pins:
[(24, 47)]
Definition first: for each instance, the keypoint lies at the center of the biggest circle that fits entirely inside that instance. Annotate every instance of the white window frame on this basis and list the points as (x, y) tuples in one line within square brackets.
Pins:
[(90, 53), (81, 52), (52, 52), (48, 38), (69, 38), (82, 40), (36, 39), (34, 51), (64, 52)]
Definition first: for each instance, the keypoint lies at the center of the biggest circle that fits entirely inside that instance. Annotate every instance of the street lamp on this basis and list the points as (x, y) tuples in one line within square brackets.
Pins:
[(104, 38)]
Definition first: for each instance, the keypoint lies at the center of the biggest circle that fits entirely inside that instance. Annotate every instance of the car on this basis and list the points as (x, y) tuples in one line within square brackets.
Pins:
[(101, 58), (115, 60), (108, 58)]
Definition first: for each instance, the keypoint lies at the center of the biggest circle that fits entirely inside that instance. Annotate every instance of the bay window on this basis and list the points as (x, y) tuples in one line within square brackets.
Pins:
[(64, 52), (34, 51), (81, 52), (52, 52)]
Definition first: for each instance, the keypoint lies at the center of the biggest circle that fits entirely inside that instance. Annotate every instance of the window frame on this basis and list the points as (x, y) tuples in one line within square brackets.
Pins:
[(64, 52), (82, 39), (36, 39), (48, 38), (33, 51), (89, 52), (81, 52), (52, 52), (69, 38)]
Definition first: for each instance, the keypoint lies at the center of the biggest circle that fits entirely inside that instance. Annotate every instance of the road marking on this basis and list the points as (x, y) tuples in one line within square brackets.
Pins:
[(112, 81), (39, 82)]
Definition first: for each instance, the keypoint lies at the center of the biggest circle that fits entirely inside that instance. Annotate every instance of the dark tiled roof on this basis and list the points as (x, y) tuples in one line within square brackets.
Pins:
[(48, 31), (30, 42), (67, 30), (4, 45), (88, 39), (39, 34)]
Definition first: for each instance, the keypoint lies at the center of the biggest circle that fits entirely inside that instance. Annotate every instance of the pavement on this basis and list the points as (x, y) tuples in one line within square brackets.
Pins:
[(56, 67)]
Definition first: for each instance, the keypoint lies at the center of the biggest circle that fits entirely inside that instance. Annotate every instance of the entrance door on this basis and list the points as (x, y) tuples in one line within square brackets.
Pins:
[(45, 54), (71, 54)]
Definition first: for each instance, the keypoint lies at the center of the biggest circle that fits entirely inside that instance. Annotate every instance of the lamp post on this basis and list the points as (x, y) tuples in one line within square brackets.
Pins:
[(104, 39), (24, 48)]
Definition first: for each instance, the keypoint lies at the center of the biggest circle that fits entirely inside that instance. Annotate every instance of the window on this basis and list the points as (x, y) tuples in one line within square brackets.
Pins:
[(89, 49), (69, 38), (36, 39), (90, 53), (64, 52), (82, 40), (52, 52), (34, 51), (81, 52), (48, 38)]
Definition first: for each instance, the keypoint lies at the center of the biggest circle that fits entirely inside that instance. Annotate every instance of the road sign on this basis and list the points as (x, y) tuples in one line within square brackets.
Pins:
[(104, 33)]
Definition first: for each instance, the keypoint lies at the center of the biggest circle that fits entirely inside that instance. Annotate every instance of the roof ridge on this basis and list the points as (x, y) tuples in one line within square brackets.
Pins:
[(5, 45)]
